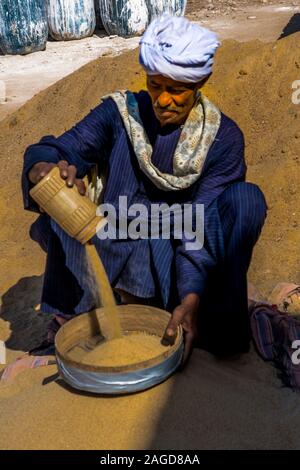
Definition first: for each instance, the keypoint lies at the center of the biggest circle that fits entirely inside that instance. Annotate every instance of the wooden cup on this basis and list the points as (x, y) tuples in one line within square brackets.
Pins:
[(76, 214)]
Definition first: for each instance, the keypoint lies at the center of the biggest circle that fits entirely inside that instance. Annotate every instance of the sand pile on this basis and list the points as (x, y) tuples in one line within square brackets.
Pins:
[(212, 404), (253, 85)]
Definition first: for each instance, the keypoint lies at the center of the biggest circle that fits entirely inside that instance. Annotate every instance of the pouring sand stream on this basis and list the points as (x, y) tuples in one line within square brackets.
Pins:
[(106, 293)]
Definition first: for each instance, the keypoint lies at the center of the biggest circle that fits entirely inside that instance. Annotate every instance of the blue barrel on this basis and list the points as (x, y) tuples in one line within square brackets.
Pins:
[(71, 19), (172, 7), (23, 26), (99, 24), (124, 17)]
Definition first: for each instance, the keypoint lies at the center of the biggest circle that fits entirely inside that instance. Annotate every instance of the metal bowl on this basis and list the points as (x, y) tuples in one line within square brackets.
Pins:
[(82, 334)]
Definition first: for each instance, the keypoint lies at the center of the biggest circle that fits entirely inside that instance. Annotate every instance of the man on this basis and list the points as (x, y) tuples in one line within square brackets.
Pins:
[(168, 145)]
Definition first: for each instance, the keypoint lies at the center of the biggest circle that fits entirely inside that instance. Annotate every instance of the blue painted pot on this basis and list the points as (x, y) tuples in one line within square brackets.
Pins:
[(71, 19), (23, 26), (124, 17), (172, 7), (99, 24)]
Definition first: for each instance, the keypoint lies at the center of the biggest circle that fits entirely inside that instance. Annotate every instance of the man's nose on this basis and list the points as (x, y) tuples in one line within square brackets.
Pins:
[(164, 100)]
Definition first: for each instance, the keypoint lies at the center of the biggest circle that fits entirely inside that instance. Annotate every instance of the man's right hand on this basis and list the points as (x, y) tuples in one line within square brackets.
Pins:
[(67, 172)]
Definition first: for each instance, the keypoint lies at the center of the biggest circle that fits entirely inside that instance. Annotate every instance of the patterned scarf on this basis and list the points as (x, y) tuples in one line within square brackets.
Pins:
[(196, 138)]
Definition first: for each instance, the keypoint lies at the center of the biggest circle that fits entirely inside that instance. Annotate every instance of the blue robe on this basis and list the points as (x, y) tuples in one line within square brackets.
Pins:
[(160, 269)]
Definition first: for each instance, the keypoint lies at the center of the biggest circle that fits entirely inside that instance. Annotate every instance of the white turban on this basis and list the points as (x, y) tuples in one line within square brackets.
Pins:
[(176, 48)]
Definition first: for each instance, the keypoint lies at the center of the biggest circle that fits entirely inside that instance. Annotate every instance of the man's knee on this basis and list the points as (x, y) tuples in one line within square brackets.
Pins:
[(246, 202), (40, 231), (253, 205)]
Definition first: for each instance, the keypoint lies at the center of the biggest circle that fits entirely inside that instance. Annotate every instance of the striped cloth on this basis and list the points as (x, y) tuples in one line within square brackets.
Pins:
[(24, 363), (274, 335)]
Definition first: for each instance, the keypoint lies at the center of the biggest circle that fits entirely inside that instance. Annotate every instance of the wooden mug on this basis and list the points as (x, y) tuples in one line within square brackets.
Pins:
[(76, 214)]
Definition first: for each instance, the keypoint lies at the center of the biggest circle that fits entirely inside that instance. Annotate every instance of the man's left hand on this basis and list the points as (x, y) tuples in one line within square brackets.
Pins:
[(186, 316)]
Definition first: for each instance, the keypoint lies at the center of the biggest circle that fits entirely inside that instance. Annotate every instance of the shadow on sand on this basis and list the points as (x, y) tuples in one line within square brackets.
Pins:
[(28, 326)]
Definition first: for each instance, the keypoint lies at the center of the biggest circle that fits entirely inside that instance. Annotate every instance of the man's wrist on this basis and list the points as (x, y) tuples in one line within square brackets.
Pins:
[(191, 300)]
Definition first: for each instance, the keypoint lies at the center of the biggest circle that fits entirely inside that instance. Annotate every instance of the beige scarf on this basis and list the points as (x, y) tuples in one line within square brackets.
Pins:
[(197, 136)]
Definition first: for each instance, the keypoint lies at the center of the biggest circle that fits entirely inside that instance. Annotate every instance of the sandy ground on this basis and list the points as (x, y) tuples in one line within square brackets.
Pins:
[(265, 23), (211, 405), (24, 76)]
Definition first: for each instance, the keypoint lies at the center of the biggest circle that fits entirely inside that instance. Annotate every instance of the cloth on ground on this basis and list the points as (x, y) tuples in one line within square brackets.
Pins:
[(277, 338)]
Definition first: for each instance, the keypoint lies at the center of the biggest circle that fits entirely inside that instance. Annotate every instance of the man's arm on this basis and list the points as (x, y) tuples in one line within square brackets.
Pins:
[(186, 316), (225, 167), (75, 152)]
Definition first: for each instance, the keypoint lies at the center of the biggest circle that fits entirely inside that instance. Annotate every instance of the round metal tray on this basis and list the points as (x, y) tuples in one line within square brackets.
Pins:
[(82, 334)]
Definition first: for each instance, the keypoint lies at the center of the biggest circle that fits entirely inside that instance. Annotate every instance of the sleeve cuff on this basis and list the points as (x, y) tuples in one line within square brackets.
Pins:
[(196, 287), (29, 162)]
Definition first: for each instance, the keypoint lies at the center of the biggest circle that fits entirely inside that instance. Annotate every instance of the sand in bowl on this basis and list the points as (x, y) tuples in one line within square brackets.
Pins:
[(118, 349), (129, 349)]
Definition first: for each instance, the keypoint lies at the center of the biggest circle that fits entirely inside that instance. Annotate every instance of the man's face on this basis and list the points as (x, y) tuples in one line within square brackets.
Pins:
[(172, 100)]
